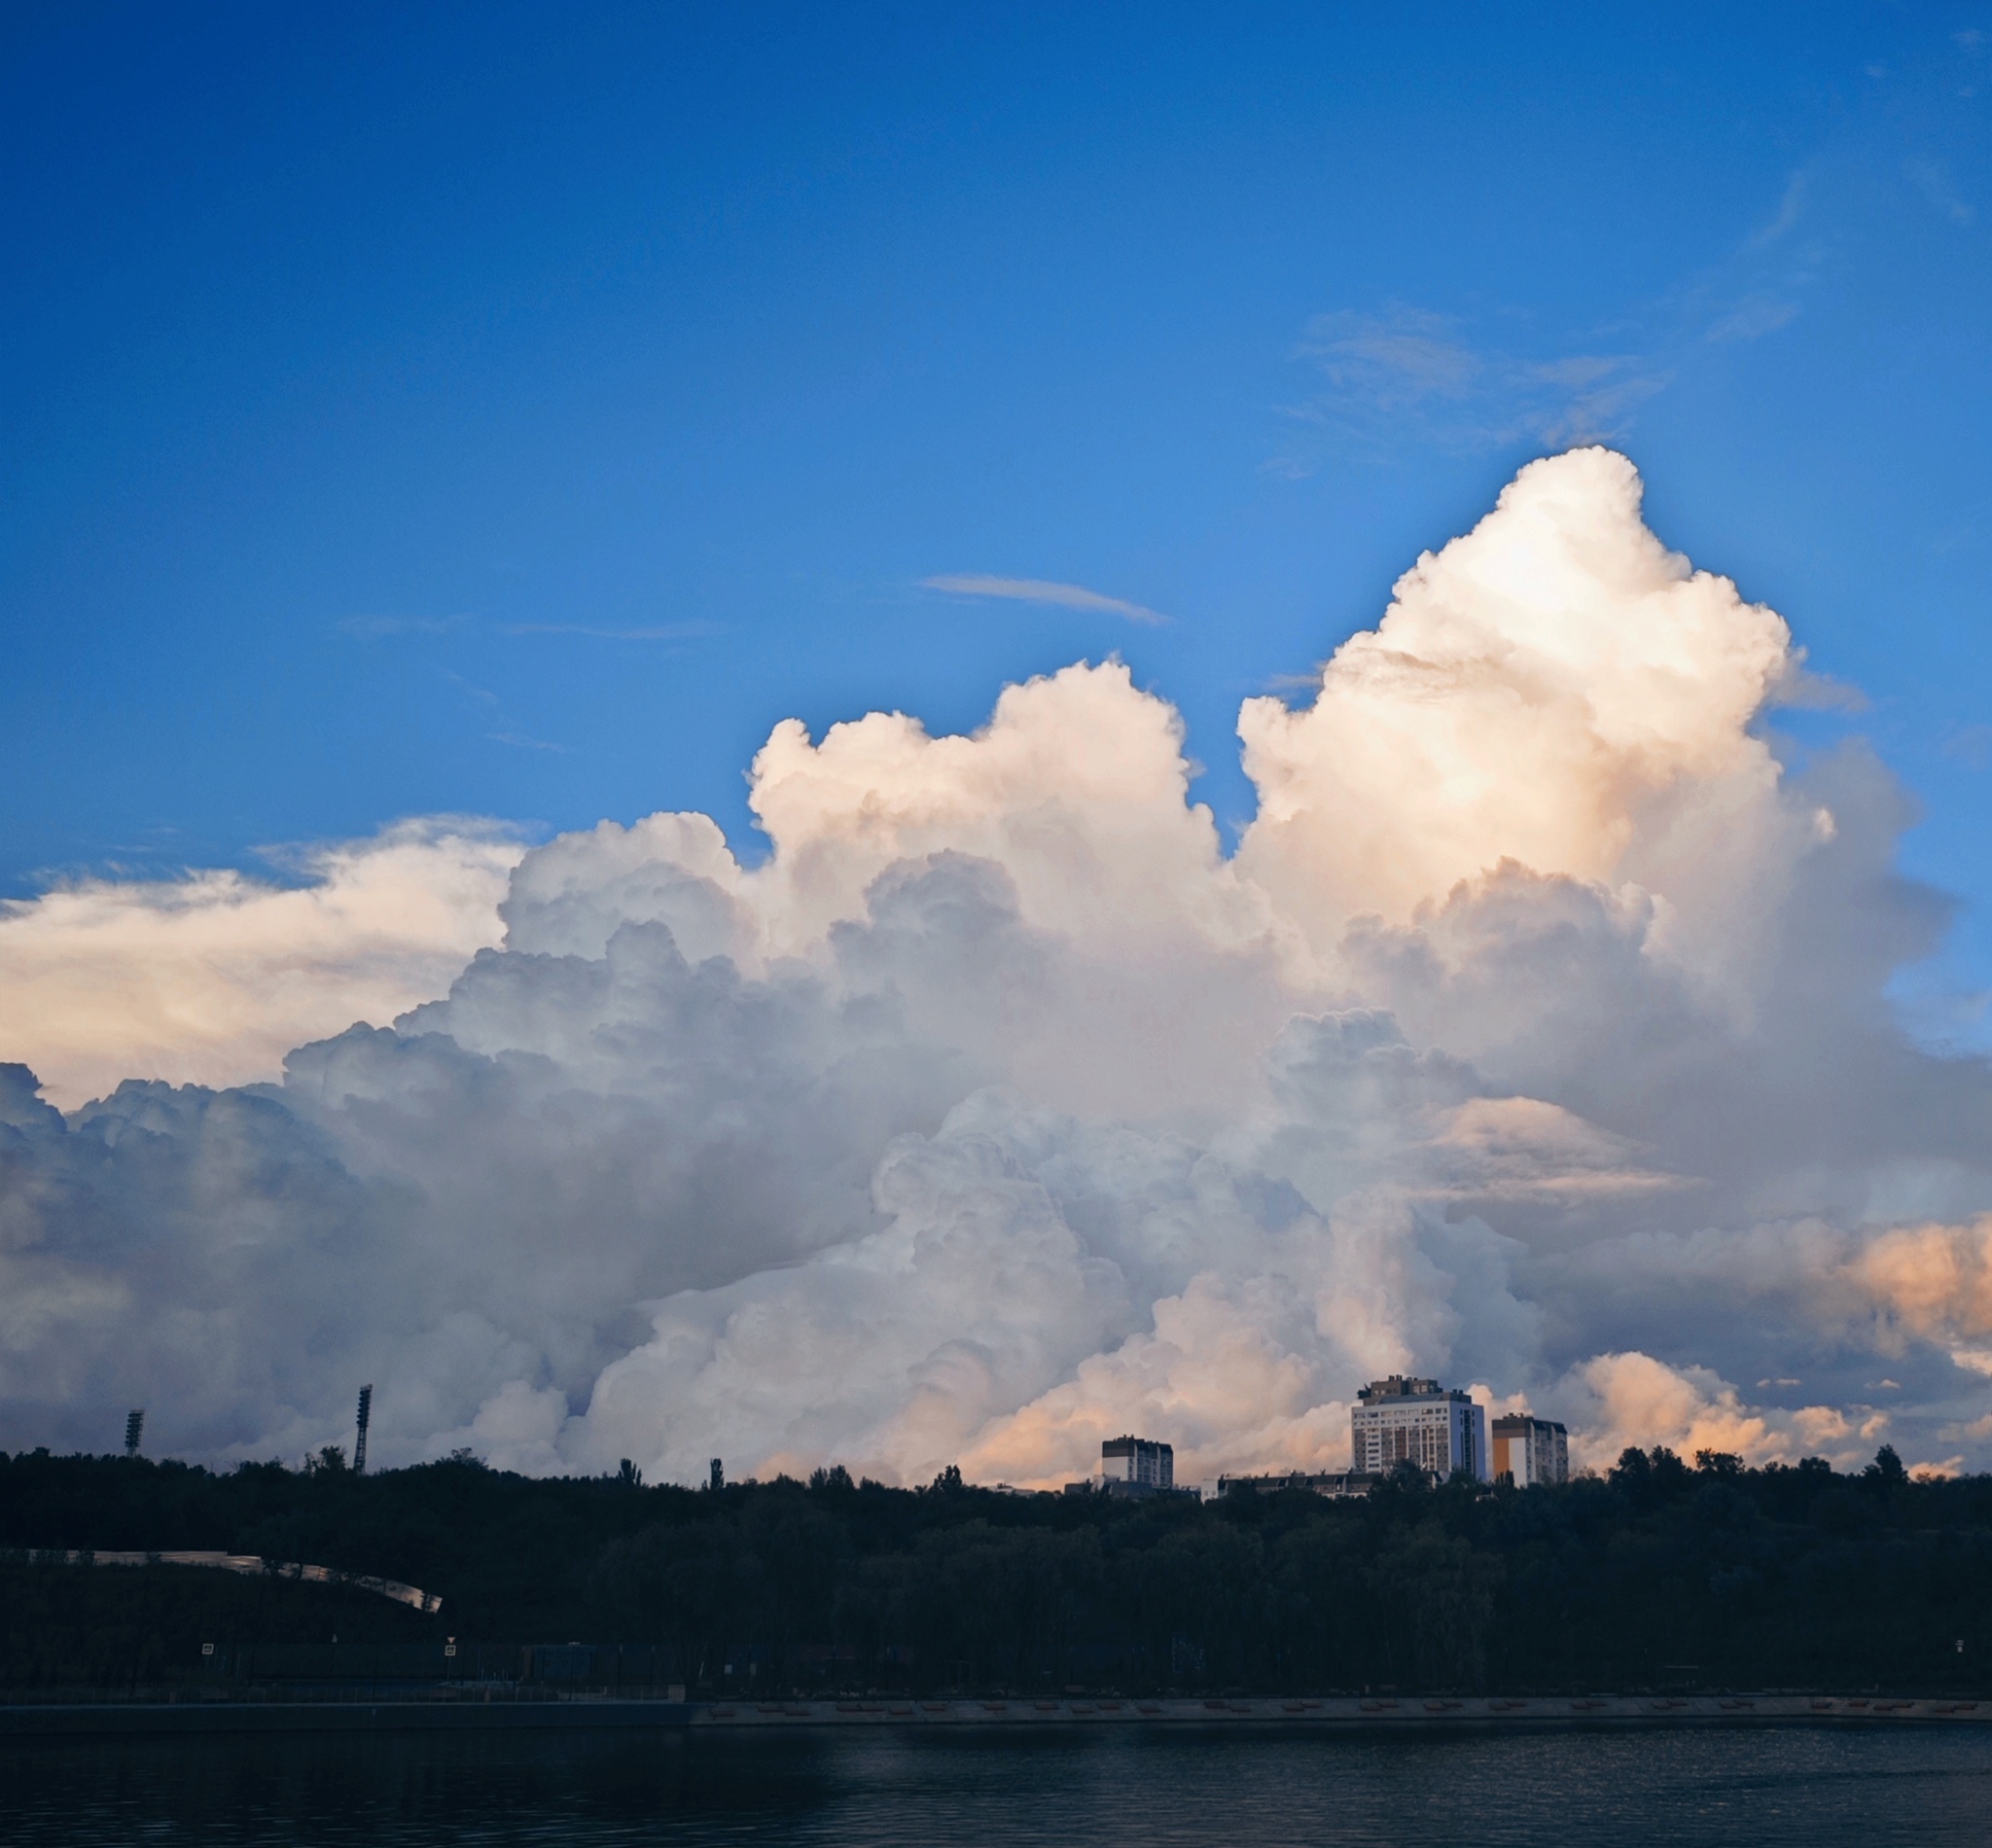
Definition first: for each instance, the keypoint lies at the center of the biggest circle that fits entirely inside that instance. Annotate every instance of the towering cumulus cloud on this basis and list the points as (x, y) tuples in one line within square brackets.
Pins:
[(1535, 1036)]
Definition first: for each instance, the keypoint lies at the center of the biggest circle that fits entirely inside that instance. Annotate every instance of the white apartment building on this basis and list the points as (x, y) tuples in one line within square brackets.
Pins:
[(1530, 1450), (1399, 1420)]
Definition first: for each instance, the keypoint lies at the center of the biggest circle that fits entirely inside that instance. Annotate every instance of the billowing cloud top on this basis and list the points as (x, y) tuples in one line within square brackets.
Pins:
[(1534, 1037)]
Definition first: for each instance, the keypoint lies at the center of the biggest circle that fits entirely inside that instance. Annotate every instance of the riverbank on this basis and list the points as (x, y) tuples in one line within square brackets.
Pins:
[(1334, 1712)]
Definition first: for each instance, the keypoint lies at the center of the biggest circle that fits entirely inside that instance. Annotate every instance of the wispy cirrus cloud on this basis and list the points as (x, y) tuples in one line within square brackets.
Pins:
[(518, 741), (508, 732), (1405, 376), (1070, 596), (1752, 318), (375, 628), (657, 632), (1408, 371), (1934, 180)]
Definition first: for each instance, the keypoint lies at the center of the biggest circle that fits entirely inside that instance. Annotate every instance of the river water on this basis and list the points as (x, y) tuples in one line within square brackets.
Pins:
[(1806, 1787)]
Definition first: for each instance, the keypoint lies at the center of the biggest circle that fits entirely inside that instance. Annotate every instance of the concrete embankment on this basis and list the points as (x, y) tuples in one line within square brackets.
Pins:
[(1328, 1714), (335, 1716)]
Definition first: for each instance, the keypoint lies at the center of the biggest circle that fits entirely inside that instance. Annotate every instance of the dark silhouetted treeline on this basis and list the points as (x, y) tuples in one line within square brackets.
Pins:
[(1662, 1575)]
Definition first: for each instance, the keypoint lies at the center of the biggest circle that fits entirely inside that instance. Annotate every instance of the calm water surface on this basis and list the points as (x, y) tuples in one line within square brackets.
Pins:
[(1813, 1789)]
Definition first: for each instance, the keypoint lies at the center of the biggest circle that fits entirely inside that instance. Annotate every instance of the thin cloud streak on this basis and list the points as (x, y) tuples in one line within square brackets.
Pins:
[(1070, 596), (663, 632), (373, 628), (520, 742)]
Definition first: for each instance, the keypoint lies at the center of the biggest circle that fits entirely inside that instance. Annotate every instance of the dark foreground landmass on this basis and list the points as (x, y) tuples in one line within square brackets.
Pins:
[(1662, 1577)]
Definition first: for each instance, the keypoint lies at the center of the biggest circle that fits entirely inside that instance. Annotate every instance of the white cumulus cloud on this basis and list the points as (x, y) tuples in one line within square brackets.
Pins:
[(1535, 1037), (210, 978)]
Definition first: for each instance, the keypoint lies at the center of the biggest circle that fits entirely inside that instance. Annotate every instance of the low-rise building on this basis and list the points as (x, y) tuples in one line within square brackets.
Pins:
[(1345, 1487), (1417, 1421), (1529, 1450)]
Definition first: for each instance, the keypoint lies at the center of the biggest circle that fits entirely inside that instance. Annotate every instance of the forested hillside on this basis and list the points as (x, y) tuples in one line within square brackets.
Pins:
[(1660, 1575)]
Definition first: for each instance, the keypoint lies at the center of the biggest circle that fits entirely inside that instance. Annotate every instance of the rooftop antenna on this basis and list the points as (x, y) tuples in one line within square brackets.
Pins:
[(360, 1445), (134, 1429)]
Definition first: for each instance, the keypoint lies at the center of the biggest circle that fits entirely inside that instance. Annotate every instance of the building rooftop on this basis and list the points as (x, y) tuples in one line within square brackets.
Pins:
[(1404, 1386)]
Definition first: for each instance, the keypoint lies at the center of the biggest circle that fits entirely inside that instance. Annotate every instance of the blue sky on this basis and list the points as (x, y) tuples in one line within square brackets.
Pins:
[(517, 411)]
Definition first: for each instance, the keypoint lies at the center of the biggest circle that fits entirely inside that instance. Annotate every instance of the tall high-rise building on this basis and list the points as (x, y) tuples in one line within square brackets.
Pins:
[(1399, 1420), (1138, 1460), (1530, 1450)]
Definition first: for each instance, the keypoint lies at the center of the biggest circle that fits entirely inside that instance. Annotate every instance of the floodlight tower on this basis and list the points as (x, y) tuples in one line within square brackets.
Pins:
[(360, 1444), (134, 1429)]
